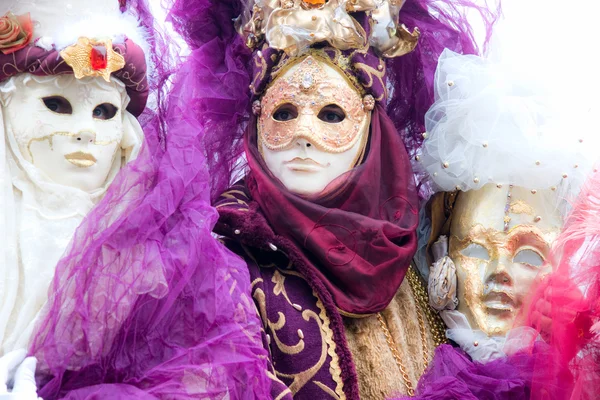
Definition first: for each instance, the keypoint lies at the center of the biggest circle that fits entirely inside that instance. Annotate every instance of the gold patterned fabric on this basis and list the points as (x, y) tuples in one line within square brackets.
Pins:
[(415, 333)]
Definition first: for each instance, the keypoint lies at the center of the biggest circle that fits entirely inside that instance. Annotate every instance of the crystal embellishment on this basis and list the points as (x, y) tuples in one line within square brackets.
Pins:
[(307, 81), (98, 59)]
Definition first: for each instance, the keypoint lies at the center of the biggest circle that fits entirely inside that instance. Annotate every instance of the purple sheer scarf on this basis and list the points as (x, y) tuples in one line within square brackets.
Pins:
[(145, 302), (145, 297), (452, 375)]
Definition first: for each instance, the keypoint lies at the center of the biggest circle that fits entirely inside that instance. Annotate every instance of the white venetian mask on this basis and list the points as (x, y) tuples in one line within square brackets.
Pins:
[(313, 126), (71, 130)]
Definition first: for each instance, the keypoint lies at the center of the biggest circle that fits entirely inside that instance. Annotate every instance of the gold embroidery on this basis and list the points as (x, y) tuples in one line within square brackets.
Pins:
[(327, 336), (373, 72), (302, 378), (334, 366), (262, 64), (237, 201), (327, 390), (290, 350), (279, 288), (259, 296), (273, 377), (233, 204), (328, 346), (230, 194), (254, 282)]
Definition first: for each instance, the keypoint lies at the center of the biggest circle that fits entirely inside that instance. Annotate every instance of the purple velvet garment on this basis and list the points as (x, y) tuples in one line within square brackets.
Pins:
[(303, 330)]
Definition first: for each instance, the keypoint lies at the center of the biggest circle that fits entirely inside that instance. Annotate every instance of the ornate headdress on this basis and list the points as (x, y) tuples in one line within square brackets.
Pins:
[(293, 25), (363, 38), (354, 35), (88, 39)]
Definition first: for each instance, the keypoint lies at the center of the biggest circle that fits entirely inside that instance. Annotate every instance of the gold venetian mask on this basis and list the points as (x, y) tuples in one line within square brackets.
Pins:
[(313, 125), (500, 239)]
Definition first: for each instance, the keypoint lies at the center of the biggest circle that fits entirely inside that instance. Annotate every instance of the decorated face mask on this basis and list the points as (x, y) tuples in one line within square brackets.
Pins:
[(71, 130), (313, 126), (500, 239)]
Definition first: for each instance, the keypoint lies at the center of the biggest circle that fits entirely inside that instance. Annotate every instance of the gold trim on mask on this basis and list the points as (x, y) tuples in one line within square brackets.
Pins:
[(50, 137), (339, 62), (309, 90)]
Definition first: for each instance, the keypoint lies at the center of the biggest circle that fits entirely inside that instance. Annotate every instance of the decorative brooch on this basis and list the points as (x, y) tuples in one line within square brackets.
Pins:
[(15, 32), (93, 58)]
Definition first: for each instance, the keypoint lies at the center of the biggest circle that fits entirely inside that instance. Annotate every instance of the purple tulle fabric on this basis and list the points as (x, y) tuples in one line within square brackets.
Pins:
[(452, 375), (221, 60), (146, 303)]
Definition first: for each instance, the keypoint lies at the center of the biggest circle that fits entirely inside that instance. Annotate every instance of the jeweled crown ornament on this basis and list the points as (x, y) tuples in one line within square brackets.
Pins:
[(93, 38), (84, 32), (93, 58), (292, 25)]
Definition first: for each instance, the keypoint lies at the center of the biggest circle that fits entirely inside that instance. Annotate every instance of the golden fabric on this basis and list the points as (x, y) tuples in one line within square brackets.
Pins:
[(379, 375)]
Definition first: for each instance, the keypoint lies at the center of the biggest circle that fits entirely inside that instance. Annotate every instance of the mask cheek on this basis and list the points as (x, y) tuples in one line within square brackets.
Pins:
[(277, 135), (470, 289), (337, 138), (109, 131)]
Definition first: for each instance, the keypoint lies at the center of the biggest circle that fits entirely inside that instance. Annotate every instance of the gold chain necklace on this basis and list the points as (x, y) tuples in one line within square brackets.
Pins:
[(396, 354), (437, 327)]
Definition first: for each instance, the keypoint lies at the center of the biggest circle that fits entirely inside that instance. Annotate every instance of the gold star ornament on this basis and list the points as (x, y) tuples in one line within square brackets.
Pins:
[(93, 58)]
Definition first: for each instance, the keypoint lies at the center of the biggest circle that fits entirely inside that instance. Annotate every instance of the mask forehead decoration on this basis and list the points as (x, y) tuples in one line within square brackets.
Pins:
[(307, 90)]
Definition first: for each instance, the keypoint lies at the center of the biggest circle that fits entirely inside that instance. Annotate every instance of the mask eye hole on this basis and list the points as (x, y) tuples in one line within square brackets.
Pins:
[(285, 112), (475, 250), (104, 111), (58, 104), (332, 114), (529, 257)]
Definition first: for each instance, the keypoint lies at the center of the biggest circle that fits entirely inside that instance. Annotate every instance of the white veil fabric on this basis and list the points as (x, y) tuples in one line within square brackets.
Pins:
[(37, 221), (524, 115)]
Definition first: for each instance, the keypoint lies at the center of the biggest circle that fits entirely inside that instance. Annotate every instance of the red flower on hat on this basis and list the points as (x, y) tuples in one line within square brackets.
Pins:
[(16, 32)]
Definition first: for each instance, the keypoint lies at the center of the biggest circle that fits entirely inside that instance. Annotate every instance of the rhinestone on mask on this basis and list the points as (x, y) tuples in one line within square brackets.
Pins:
[(307, 81)]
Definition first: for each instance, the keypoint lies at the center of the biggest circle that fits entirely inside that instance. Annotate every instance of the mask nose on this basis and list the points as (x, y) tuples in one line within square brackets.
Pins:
[(85, 137), (304, 143), (499, 274)]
